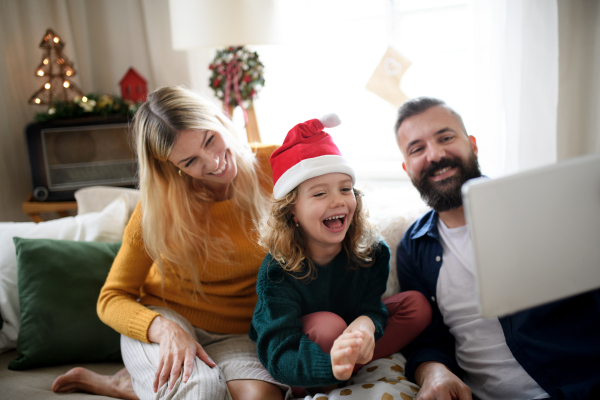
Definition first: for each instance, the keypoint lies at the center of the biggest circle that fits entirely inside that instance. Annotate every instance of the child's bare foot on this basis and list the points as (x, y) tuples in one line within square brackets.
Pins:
[(83, 380)]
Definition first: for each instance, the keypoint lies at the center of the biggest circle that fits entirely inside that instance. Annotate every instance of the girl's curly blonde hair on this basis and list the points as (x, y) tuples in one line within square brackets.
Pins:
[(287, 244)]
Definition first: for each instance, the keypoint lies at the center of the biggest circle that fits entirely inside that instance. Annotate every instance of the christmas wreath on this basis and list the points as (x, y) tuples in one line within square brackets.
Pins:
[(238, 70), (87, 106)]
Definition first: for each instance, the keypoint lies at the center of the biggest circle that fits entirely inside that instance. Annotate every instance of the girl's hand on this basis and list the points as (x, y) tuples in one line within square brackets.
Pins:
[(177, 348), (344, 354), (364, 325)]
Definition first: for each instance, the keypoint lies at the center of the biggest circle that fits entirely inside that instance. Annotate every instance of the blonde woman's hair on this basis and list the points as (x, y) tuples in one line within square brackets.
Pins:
[(175, 210), (287, 244)]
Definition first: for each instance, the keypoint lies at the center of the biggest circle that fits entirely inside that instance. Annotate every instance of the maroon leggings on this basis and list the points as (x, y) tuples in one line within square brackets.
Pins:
[(409, 314)]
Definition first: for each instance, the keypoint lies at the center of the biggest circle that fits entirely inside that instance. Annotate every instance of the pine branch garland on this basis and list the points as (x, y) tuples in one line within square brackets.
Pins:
[(90, 105)]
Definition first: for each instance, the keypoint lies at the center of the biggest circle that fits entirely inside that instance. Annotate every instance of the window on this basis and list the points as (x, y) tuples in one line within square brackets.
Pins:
[(326, 67)]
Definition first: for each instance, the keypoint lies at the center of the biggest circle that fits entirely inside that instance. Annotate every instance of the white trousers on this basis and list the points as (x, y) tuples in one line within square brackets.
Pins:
[(235, 356)]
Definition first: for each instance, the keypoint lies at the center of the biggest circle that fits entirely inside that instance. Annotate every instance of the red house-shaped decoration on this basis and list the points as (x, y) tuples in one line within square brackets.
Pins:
[(133, 87)]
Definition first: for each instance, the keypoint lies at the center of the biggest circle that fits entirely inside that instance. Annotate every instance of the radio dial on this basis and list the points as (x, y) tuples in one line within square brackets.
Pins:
[(40, 193)]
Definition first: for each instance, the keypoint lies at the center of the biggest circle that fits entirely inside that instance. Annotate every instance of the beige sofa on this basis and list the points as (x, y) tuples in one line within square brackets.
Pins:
[(36, 383)]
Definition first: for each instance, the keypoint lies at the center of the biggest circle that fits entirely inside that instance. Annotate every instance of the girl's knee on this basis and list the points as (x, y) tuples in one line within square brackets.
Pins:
[(422, 308), (410, 304), (323, 328)]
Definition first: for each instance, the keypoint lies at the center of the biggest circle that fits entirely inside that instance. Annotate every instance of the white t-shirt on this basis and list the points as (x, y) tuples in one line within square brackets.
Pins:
[(481, 350)]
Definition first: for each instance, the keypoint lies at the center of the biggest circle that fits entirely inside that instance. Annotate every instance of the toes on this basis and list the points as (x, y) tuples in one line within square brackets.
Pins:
[(68, 381), (70, 388), (73, 375)]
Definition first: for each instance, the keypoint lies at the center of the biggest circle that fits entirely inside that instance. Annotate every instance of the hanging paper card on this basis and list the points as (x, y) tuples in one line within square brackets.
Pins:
[(385, 81)]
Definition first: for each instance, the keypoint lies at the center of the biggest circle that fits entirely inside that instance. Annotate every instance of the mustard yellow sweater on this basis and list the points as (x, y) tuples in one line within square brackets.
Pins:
[(230, 288)]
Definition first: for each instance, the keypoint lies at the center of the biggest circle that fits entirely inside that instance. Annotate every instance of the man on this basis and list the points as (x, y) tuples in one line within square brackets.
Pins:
[(551, 351)]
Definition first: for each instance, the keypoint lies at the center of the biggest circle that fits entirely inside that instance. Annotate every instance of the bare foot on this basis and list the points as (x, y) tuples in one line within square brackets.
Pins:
[(83, 380)]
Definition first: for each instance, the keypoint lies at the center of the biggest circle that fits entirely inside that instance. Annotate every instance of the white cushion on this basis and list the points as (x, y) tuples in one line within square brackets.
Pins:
[(105, 226), (95, 198), (392, 229)]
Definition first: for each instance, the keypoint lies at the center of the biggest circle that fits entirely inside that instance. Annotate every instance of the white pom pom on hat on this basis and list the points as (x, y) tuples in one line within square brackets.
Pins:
[(330, 120), (307, 152)]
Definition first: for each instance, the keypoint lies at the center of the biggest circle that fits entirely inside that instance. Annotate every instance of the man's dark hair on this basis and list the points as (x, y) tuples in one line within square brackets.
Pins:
[(420, 105)]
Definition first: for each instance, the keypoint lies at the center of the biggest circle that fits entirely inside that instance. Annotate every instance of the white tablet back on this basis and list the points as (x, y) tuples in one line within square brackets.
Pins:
[(536, 235)]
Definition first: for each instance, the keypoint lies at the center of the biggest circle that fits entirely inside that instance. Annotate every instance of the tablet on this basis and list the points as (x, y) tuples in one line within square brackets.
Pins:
[(536, 234)]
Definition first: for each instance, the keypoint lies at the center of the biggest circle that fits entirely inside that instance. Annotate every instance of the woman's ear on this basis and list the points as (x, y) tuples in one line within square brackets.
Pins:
[(294, 219)]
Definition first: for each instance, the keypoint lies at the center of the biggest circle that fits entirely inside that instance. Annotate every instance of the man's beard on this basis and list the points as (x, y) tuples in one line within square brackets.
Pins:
[(445, 195)]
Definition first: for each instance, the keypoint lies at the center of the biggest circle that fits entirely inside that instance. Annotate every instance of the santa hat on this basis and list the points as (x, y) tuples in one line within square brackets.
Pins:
[(307, 152)]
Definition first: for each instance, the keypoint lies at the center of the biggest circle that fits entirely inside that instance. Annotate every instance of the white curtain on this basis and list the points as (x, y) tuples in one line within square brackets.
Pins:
[(516, 53), (579, 90), (103, 38)]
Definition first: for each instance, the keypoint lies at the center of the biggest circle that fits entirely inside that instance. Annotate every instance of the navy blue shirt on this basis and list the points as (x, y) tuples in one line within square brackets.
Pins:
[(558, 344)]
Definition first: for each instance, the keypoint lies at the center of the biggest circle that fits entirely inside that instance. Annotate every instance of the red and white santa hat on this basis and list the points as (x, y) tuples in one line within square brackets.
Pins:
[(307, 152)]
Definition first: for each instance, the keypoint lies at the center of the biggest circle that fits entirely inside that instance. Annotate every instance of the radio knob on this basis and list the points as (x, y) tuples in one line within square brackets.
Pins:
[(40, 193)]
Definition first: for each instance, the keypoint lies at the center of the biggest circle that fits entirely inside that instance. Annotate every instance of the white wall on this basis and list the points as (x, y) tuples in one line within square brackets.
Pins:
[(103, 38)]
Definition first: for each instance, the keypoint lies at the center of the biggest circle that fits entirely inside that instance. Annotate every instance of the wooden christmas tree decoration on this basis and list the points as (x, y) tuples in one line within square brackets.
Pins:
[(57, 70)]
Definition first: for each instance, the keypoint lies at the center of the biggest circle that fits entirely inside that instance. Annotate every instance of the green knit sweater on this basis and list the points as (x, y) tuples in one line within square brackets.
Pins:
[(286, 352)]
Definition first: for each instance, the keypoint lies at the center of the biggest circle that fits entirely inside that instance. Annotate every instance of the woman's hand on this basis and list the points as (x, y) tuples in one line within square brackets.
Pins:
[(177, 348), (344, 353), (364, 325)]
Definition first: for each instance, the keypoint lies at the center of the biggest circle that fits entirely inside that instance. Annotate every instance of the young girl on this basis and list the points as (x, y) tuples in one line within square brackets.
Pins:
[(319, 313)]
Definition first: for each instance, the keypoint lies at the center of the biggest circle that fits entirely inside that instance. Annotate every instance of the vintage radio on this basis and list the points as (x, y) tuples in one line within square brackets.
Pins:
[(68, 155)]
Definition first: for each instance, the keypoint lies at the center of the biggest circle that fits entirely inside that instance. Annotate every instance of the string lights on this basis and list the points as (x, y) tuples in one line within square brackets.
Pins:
[(57, 70)]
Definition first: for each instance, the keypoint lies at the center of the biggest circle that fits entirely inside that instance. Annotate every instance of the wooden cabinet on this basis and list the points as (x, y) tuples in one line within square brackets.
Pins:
[(35, 208)]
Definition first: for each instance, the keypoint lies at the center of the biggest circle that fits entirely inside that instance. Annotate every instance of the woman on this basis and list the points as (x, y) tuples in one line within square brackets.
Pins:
[(190, 256)]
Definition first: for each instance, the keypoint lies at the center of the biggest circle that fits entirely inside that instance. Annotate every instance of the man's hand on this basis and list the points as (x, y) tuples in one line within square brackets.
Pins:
[(439, 383)]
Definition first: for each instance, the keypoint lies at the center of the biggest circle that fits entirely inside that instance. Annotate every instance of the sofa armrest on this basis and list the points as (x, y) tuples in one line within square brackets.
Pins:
[(95, 198)]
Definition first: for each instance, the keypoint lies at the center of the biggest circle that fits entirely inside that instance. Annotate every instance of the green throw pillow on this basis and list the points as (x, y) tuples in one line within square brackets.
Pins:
[(59, 282)]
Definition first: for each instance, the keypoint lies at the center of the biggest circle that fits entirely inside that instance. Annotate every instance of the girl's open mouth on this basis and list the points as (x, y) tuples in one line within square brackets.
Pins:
[(335, 223)]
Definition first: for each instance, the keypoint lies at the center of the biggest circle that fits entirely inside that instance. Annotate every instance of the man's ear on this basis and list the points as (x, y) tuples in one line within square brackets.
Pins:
[(473, 143), (404, 167)]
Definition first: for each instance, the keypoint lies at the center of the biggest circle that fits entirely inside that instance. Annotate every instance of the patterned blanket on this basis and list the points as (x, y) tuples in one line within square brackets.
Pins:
[(381, 379)]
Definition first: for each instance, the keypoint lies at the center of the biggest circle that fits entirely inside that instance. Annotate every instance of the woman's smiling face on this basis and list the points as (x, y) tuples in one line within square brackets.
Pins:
[(206, 156), (324, 209)]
